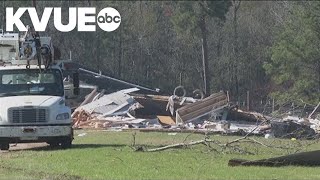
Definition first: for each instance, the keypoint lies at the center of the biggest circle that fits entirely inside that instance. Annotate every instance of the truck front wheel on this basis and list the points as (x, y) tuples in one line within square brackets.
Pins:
[(66, 143), (53, 144)]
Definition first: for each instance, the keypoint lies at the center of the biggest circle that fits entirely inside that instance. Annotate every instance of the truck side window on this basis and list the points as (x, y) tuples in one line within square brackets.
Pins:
[(7, 79)]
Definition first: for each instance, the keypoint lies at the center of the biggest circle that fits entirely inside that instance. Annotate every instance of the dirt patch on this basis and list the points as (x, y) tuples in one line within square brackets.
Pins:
[(26, 146)]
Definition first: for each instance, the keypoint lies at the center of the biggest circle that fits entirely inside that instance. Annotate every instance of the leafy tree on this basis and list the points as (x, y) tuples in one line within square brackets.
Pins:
[(295, 61), (191, 19)]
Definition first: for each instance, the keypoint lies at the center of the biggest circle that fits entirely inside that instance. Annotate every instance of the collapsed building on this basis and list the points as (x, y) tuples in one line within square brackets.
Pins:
[(129, 109)]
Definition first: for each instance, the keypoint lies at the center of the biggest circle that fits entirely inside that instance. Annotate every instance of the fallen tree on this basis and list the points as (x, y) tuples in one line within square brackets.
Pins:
[(213, 144), (311, 158), (204, 141)]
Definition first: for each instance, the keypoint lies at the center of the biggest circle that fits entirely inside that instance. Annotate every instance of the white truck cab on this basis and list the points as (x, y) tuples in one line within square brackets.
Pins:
[(32, 98)]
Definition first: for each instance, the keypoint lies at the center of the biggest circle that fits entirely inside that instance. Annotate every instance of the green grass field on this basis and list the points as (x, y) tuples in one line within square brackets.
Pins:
[(109, 155)]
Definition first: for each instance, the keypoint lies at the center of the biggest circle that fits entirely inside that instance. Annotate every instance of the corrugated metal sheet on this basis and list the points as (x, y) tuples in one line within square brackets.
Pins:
[(109, 102)]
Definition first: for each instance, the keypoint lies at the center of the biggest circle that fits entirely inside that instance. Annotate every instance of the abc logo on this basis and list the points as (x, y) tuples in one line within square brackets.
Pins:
[(109, 19)]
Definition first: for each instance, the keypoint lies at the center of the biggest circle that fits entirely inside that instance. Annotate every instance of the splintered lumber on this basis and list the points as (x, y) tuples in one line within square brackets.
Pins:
[(311, 158), (200, 108)]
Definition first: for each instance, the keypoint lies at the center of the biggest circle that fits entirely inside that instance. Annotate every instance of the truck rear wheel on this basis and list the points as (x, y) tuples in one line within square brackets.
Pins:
[(4, 146)]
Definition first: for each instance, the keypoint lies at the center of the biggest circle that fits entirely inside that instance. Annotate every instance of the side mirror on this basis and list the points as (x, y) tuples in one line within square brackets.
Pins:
[(76, 83)]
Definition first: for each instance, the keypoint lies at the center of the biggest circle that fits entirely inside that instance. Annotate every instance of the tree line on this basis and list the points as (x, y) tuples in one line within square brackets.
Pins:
[(270, 48)]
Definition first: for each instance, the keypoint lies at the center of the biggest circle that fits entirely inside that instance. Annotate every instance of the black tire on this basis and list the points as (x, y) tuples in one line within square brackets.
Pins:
[(67, 143), (53, 144), (4, 146)]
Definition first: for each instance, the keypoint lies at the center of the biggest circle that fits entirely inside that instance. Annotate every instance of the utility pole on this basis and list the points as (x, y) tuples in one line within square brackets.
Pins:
[(236, 4), (204, 43), (248, 100)]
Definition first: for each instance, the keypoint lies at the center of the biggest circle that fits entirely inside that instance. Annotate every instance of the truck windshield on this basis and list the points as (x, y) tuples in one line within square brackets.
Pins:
[(31, 82)]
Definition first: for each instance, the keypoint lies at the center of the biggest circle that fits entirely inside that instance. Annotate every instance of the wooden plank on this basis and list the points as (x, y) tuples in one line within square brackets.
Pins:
[(200, 104), (202, 112), (89, 97), (167, 120), (201, 108)]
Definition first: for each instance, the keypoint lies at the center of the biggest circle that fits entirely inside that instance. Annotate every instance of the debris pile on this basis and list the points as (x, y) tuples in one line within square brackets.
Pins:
[(104, 110), (125, 109), (295, 127)]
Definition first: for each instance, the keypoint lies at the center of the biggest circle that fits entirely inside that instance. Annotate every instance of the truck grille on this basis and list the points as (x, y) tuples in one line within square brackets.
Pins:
[(27, 115)]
